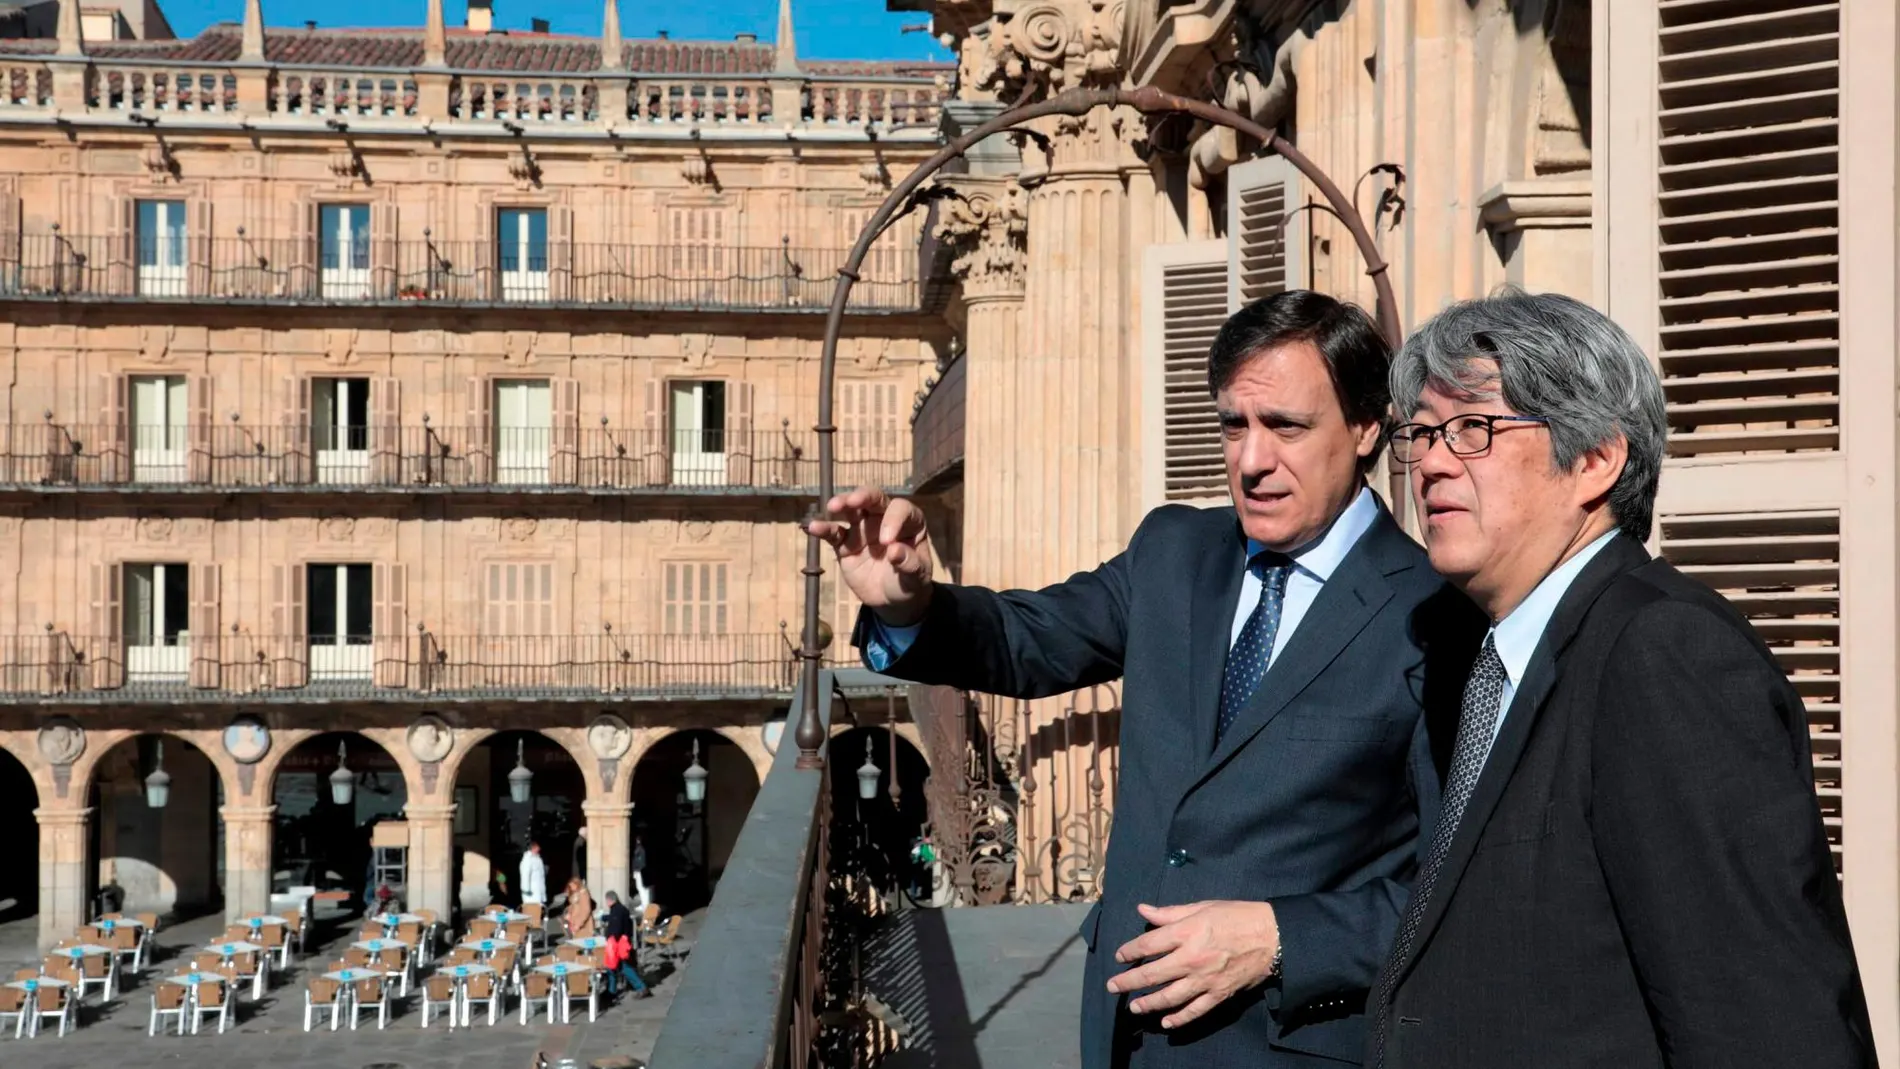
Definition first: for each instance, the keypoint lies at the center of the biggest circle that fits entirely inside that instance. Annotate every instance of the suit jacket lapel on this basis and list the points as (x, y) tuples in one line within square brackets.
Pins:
[(1211, 616), (1620, 556), (1347, 602)]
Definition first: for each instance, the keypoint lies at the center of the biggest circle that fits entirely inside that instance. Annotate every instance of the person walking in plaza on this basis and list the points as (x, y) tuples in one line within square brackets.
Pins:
[(1630, 868), (579, 915), (1275, 773), (620, 955), (534, 876)]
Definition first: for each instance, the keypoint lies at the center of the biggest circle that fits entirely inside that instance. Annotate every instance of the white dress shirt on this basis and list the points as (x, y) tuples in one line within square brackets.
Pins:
[(1518, 634), (1313, 564)]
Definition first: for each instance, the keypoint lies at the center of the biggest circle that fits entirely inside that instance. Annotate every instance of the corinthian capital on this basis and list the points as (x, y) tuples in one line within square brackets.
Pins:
[(1061, 43), (987, 228)]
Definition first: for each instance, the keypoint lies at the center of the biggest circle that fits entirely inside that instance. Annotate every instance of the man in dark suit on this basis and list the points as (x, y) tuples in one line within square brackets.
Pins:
[(1630, 868), (1273, 770)]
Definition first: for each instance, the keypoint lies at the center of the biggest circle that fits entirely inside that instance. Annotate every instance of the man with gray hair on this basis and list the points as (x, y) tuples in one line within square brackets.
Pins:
[(1630, 867)]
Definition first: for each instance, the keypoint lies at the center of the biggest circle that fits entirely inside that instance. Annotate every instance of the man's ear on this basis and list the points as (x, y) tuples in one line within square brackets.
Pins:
[(1598, 469), (1366, 437)]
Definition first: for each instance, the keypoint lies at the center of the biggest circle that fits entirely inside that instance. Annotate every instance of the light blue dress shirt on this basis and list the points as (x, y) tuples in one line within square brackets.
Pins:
[(1313, 564), (1517, 635)]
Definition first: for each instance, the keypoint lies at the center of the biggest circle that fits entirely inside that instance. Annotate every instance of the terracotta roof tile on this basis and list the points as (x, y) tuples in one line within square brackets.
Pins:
[(538, 52)]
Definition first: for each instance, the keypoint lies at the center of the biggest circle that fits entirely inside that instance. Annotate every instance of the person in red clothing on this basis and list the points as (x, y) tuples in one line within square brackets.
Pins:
[(618, 956)]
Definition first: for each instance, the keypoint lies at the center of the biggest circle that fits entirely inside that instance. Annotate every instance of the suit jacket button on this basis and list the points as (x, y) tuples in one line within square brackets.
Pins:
[(1177, 857)]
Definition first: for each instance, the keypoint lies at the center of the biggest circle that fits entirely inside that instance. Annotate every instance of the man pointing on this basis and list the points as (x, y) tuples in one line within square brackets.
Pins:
[(1275, 773)]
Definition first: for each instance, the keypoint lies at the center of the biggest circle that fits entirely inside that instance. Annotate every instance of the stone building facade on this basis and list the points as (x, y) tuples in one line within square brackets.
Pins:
[(444, 395)]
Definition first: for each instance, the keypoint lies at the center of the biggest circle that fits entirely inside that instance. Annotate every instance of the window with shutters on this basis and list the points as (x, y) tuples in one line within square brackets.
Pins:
[(343, 250), (871, 436), (522, 251), (1748, 152), (697, 421), (696, 243), (158, 420), (1782, 570), (519, 599), (1265, 241), (339, 429), (161, 248), (694, 598), (156, 621), (887, 260), (524, 430), (1187, 285), (339, 622)]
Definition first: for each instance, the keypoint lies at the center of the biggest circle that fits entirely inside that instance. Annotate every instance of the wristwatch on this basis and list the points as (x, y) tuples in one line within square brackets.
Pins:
[(1274, 969)]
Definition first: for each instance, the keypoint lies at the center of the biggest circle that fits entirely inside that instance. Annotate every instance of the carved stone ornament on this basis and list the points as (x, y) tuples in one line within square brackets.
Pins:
[(155, 528), (1062, 43), (518, 528), (62, 741), (337, 528), (875, 176), (987, 227), (696, 350), (430, 738), (247, 740), (609, 737)]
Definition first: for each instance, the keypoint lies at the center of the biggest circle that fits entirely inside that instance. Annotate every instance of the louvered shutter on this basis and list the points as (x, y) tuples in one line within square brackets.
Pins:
[(201, 251), (294, 464), (122, 277), (1782, 570), (564, 437), (1184, 294), (200, 455), (290, 652), (113, 433), (479, 432), (487, 278), (1747, 128), (105, 647), (305, 232), (653, 434), (383, 267), (1264, 257), (389, 589), (203, 586), (560, 253), (11, 239), (739, 444), (385, 431)]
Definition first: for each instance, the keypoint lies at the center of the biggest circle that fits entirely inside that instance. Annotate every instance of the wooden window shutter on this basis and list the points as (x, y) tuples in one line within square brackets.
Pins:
[(389, 587), (1184, 300), (383, 266), (11, 241), (480, 429), (519, 600), (122, 277), (295, 461), (1748, 239), (207, 659), (115, 437), (200, 424), (850, 419), (740, 445), (1782, 570), (201, 251), (693, 599), (386, 431), (487, 274), (560, 253), (290, 655), (105, 648), (1263, 258), (305, 232), (564, 439), (653, 434)]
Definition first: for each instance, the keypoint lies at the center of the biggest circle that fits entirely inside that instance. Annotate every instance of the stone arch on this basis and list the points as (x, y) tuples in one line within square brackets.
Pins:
[(20, 794), (889, 830), (687, 845), (163, 860), (482, 855)]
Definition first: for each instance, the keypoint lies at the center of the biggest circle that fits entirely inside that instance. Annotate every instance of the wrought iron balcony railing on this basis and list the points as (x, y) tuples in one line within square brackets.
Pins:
[(55, 666), (420, 272), (235, 456)]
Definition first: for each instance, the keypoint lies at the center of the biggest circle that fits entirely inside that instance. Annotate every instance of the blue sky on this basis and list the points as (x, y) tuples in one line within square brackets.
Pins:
[(827, 29)]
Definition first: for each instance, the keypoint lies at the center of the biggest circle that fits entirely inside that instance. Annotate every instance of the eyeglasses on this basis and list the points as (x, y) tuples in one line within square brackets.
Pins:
[(1465, 436)]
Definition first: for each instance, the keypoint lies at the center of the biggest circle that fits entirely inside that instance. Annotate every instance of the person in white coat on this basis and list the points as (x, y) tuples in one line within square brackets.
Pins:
[(534, 876)]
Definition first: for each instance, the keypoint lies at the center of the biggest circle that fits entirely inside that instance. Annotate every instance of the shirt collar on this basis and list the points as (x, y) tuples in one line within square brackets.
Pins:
[(1517, 635), (1321, 557)]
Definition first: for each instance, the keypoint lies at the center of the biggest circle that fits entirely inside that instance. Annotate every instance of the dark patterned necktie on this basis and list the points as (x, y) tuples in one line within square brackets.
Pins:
[(1477, 725), (1247, 659)]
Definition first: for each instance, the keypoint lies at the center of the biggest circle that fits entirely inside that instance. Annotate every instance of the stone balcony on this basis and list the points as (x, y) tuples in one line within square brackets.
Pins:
[(221, 458), (57, 668), (58, 266)]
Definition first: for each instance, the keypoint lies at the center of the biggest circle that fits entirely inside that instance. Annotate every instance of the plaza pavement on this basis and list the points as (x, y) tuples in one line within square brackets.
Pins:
[(269, 1034)]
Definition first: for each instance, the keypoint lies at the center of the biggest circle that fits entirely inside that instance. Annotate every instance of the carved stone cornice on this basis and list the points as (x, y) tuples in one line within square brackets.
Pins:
[(987, 229), (1536, 204), (1059, 44)]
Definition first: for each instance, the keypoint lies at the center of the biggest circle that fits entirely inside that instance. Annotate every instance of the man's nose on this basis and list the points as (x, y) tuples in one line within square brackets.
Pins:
[(1259, 453), (1437, 461)]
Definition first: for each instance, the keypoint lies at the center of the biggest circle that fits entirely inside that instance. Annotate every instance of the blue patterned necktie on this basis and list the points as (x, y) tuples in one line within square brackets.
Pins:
[(1247, 660), (1477, 725)]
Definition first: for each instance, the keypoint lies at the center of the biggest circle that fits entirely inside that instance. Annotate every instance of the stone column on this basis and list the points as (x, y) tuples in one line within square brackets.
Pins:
[(432, 857), (247, 858), (609, 838), (987, 227), (63, 905)]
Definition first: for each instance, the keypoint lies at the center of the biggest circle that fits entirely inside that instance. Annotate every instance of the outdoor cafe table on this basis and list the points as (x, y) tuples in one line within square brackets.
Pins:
[(30, 986), (589, 943), (502, 916), (460, 974), (559, 971), (349, 977), (391, 920), (191, 980), (229, 951), (485, 947), (87, 950)]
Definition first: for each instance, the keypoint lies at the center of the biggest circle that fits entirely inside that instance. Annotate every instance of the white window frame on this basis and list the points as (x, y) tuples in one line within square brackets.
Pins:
[(698, 418), (343, 251), (524, 430), (160, 237), (342, 446), (349, 655), (160, 447), (154, 654), (525, 282)]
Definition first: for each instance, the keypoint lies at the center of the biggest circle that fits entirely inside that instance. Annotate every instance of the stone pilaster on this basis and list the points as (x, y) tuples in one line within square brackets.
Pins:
[(609, 834), (62, 851), (247, 858), (432, 857)]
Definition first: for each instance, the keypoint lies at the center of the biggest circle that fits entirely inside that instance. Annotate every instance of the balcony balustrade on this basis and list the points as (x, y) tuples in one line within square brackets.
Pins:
[(57, 667), (421, 272), (427, 457)]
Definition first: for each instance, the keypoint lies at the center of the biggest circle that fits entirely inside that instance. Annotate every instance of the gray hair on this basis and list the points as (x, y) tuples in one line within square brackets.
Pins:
[(1557, 358)]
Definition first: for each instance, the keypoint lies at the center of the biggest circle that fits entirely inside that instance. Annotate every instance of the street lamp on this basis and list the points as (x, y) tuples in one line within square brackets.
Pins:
[(867, 772), (158, 785), (342, 781), (695, 778), (519, 779)]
